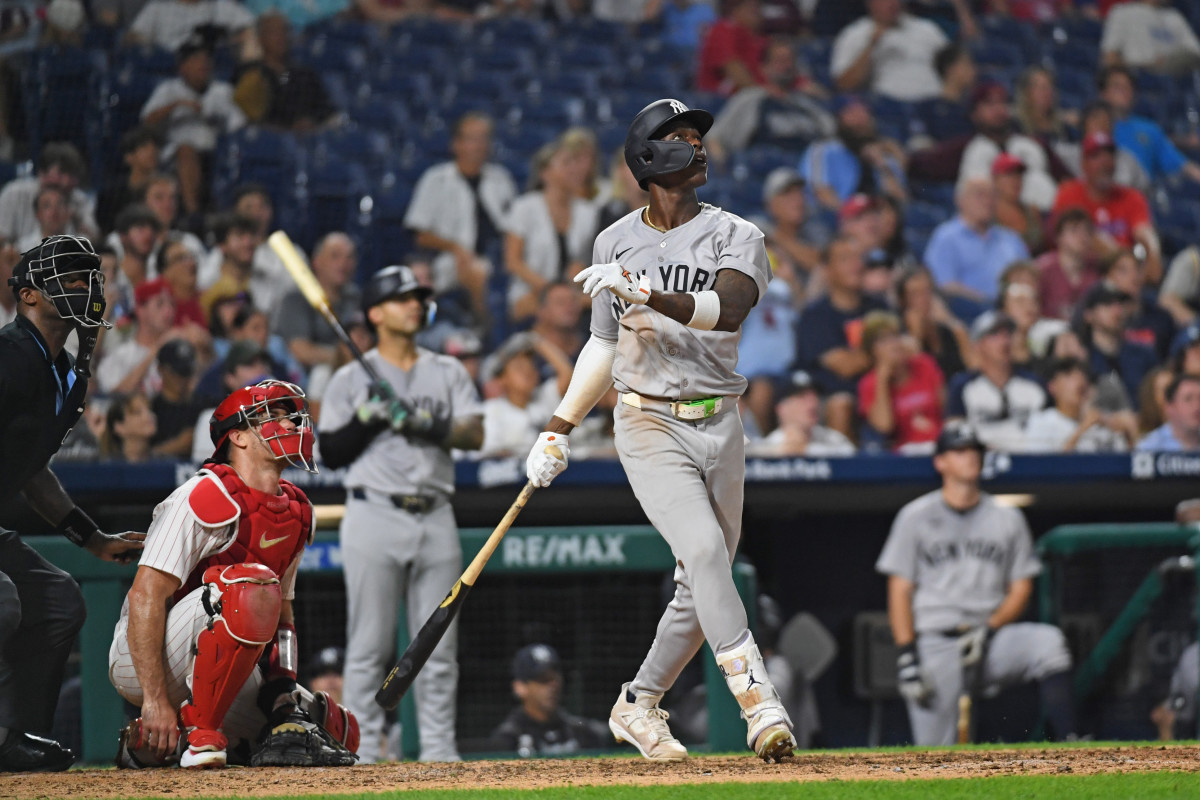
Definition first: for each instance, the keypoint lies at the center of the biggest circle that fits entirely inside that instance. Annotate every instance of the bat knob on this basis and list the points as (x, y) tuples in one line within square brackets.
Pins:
[(554, 451)]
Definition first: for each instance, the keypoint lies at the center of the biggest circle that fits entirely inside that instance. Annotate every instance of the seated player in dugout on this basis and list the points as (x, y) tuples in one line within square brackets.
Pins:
[(212, 599), (539, 726)]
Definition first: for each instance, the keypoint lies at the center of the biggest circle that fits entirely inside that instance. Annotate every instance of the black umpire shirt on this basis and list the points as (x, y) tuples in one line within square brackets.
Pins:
[(40, 401)]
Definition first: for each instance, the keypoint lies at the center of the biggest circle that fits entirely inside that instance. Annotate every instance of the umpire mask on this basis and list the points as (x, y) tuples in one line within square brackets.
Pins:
[(66, 270)]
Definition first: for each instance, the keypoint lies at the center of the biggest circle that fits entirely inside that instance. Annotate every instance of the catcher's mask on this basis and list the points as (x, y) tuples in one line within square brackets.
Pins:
[(66, 270), (254, 407)]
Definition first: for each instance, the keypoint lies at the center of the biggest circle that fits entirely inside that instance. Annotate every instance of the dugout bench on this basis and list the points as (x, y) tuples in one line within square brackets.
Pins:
[(531, 550)]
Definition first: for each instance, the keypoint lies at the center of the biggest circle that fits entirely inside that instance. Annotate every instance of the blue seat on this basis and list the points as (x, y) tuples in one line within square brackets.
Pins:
[(349, 31), (589, 29), (427, 31), (360, 145), (144, 60), (1080, 28), (508, 58), (390, 240), (938, 194), (579, 82), (326, 54), (942, 120), (380, 113), (510, 30), (330, 190), (1012, 32), (926, 216), (999, 53)]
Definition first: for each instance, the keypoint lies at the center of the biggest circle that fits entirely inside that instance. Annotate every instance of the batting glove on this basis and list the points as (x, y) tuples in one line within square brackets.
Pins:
[(383, 406), (632, 288), (423, 424), (972, 645), (540, 466), (910, 681)]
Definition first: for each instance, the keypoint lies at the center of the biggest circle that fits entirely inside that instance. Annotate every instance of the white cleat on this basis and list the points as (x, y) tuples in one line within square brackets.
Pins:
[(205, 750), (644, 725), (769, 730)]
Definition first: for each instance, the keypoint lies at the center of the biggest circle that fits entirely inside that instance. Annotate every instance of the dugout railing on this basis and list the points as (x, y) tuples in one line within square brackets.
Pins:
[(1126, 597), (532, 551)]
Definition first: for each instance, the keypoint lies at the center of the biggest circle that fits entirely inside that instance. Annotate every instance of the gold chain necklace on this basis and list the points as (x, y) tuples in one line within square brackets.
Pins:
[(646, 219)]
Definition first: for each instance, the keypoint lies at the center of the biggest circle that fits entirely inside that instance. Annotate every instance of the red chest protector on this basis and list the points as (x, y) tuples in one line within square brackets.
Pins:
[(272, 529)]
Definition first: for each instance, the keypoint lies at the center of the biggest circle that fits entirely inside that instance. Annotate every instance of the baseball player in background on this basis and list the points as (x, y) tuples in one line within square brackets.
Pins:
[(213, 591), (400, 544), (671, 284), (960, 573), (58, 288)]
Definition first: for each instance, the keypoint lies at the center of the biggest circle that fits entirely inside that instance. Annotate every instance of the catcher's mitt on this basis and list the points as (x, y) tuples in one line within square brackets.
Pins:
[(291, 739)]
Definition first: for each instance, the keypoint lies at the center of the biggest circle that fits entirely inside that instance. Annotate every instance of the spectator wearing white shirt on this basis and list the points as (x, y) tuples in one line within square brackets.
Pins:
[(888, 52), (549, 231), (58, 165), (193, 110), (1074, 423), (996, 399), (800, 432), (458, 209), (1149, 35), (519, 412), (269, 280), (169, 23), (52, 210)]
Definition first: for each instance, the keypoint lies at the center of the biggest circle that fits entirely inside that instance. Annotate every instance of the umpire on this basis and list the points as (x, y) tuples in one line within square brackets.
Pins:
[(59, 288), (399, 538)]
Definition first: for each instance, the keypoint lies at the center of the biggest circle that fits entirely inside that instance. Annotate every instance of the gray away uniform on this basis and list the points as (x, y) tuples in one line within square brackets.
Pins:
[(687, 475), (394, 557), (961, 565)]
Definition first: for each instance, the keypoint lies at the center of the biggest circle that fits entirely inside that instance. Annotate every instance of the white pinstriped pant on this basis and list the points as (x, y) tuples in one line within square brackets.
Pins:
[(185, 622)]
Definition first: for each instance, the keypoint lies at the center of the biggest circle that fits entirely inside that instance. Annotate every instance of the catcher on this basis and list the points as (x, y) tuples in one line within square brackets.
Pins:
[(213, 597)]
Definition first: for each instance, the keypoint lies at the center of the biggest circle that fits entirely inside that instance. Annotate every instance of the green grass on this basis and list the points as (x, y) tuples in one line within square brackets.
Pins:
[(1129, 786)]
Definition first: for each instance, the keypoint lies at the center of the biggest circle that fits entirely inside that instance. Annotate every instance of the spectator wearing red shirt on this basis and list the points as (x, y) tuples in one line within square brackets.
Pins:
[(902, 396), (731, 55), (1120, 213), (1067, 272)]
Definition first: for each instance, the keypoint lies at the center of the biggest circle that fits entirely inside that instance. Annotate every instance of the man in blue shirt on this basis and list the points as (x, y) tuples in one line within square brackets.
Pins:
[(967, 254), (857, 160), (1181, 431), (1143, 137)]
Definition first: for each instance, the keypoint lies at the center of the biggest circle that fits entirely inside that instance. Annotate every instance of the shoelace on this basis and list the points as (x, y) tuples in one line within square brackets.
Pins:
[(656, 721)]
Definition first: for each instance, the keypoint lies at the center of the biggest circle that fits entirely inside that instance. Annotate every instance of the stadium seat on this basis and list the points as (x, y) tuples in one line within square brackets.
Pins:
[(379, 113), (55, 91), (517, 60), (937, 194), (144, 60), (999, 53), (326, 54), (510, 30), (329, 190), (926, 216), (349, 31), (941, 120), (426, 31), (254, 154), (1013, 33)]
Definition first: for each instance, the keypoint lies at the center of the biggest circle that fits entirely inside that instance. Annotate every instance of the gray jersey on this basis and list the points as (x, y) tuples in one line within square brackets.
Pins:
[(960, 563), (393, 463), (657, 356)]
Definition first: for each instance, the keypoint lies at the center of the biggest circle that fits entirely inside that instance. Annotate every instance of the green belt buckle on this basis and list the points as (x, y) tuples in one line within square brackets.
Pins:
[(709, 404)]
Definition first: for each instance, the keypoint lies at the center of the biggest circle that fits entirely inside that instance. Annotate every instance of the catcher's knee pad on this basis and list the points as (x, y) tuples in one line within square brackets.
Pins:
[(243, 601), (337, 720)]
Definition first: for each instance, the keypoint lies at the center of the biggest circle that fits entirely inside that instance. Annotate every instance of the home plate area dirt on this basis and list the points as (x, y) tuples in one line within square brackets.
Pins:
[(897, 765)]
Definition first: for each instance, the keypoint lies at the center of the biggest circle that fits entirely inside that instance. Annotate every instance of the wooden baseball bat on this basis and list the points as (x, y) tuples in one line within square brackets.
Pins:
[(419, 649), (966, 703), (316, 297)]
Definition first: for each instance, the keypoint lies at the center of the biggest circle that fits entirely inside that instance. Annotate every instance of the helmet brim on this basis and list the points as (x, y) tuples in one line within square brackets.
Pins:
[(698, 118)]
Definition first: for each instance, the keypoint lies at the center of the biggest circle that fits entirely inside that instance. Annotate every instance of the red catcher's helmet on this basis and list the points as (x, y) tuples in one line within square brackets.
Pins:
[(252, 406)]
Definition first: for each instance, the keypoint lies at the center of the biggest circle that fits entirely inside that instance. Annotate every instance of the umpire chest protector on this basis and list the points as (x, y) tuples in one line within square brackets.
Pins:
[(272, 530)]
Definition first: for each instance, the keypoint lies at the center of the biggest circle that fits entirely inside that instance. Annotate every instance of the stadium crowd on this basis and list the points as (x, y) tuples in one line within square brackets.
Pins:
[(979, 209)]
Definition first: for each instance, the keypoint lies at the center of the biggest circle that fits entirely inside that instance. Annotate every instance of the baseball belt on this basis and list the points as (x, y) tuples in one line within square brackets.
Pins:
[(412, 503), (688, 410)]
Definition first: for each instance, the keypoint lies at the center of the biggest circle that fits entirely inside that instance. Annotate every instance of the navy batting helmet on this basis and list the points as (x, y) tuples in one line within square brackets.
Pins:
[(647, 155), (958, 435), (395, 281)]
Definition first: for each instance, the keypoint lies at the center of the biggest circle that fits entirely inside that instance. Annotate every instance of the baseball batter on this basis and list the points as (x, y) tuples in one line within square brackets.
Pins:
[(671, 284), (400, 544), (960, 573), (214, 591)]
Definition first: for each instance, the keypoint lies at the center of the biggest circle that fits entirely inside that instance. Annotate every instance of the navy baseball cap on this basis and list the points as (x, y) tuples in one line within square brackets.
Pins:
[(536, 662), (958, 435), (330, 660)]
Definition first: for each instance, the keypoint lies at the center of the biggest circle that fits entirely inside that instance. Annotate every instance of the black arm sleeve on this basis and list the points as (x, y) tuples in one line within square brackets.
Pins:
[(340, 447)]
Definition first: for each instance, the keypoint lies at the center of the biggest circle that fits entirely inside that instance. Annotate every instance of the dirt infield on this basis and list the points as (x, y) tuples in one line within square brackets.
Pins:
[(598, 771)]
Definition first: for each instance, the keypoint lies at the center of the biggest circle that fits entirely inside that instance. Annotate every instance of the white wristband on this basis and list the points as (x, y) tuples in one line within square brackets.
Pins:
[(708, 310)]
